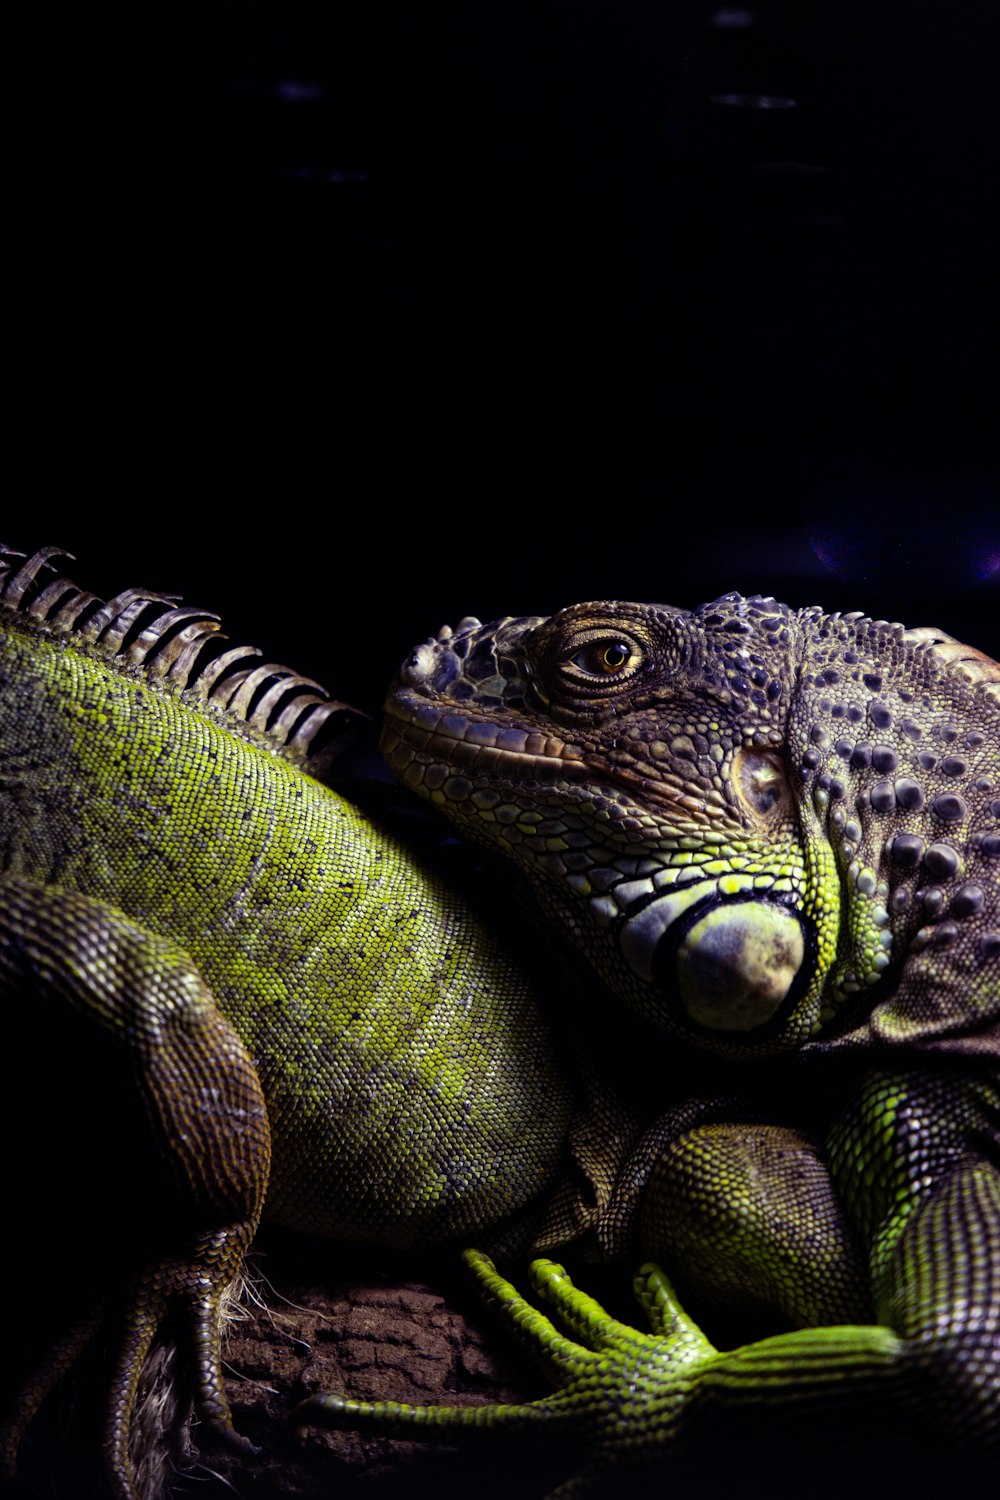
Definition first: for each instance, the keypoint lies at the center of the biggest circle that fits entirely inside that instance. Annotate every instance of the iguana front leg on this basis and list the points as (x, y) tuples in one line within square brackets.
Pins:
[(612, 1381), (926, 1188), (743, 1211), (207, 1118)]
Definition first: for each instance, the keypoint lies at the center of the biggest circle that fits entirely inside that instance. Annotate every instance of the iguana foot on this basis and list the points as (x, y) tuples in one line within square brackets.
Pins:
[(184, 1283), (616, 1388)]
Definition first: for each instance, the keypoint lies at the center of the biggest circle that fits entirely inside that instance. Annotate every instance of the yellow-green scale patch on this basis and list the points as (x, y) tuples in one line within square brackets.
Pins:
[(822, 904), (384, 1007)]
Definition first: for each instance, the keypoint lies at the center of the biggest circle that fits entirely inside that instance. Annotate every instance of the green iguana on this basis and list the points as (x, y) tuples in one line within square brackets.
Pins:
[(775, 836), (775, 839)]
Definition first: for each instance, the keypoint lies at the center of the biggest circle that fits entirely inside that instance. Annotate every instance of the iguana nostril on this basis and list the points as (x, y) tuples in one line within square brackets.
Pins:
[(419, 665), (431, 665), (737, 963)]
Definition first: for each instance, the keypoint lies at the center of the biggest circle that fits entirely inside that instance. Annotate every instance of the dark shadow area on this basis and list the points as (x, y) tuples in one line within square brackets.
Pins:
[(348, 320)]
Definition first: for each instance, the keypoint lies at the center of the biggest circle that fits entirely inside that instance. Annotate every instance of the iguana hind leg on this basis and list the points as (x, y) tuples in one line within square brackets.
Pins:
[(205, 1115)]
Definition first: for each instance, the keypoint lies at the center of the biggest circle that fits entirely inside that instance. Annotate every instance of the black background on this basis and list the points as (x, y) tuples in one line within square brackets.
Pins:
[(346, 320)]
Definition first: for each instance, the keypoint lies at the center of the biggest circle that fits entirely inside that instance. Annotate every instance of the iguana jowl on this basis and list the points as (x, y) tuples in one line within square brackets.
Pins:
[(726, 814)]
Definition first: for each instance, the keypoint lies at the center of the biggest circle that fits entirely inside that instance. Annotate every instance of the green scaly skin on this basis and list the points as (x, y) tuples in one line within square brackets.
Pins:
[(321, 1030), (776, 837)]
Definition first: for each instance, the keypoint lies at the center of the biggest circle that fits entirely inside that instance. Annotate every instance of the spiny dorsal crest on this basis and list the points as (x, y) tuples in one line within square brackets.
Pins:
[(920, 646), (972, 666), (181, 646)]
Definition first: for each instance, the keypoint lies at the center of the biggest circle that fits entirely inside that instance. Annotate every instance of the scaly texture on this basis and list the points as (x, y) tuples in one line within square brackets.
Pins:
[(745, 817), (772, 838)]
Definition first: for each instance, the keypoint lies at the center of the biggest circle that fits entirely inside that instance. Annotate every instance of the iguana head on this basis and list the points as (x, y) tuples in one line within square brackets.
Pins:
[(631, 758)]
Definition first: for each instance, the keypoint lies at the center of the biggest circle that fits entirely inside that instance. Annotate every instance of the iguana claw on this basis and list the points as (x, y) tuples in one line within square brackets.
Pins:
[(147, 1302)]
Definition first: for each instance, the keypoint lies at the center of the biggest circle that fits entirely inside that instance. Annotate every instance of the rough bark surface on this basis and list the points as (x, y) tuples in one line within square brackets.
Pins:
[(380, 1340), (312, 1319)]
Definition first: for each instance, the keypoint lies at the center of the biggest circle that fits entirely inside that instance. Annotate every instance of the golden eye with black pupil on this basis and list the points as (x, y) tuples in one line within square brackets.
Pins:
[(604, 658)]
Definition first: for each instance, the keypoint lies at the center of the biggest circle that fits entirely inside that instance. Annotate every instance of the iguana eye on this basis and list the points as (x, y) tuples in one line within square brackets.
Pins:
[(605, 658), (589, 655)]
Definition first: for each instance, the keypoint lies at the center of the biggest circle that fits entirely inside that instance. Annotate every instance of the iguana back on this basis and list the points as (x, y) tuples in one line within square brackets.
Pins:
[(409, 1079)]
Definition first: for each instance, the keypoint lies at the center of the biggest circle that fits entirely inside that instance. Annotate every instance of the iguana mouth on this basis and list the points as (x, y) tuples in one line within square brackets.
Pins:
[(718, 962), (472, 734), (413, 726)]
